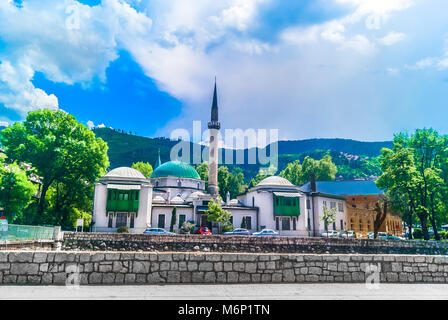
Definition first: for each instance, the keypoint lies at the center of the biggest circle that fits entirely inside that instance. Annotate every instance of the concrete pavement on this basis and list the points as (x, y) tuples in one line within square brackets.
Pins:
[(231, 292)]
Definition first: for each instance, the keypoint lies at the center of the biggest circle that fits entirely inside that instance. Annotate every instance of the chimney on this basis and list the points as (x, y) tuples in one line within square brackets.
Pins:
[(313, 182), (228, 198)]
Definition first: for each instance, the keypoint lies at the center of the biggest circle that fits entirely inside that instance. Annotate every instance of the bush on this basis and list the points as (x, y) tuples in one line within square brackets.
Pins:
[(417, 234), (187, 227), (227, 227), (123, 230)]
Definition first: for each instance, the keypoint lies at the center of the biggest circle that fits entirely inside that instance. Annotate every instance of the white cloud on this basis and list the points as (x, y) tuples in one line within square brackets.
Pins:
[(90, 124), (18, 93), (67, 41), (443, 64), (241, 14), (392, 38), (422, 64), (375, 12)]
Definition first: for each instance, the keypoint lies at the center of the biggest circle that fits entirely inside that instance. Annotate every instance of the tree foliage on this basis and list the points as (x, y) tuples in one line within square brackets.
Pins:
[(173, 219), (415, 171), (16, 190), (216, 213), (144, 167), (328, 216), (65, 155), (298, 174), (228, 181)]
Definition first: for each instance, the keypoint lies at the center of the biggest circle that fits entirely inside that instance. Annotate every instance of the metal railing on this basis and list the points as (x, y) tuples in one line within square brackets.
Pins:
[(19, 232)]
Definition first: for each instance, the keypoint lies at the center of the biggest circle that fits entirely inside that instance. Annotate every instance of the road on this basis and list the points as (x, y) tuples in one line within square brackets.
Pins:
[(231, 292)]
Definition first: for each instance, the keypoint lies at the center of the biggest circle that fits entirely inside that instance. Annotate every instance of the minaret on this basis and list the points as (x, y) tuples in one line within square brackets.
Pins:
[(159, 162), (213, 127)]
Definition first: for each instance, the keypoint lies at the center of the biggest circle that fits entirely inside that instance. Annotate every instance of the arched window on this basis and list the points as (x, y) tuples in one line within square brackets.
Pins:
[(199, 186), (179, 184)]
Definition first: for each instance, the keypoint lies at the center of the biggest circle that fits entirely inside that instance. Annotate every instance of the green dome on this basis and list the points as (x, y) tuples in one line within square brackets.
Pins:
[(175, 169)]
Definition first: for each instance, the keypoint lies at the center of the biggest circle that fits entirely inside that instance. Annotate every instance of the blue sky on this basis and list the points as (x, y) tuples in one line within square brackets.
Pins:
[(360, 69)]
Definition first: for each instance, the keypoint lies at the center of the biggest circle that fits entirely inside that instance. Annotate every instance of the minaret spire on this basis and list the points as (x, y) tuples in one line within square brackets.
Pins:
[(159, 161), (214, 127), (215, 116)]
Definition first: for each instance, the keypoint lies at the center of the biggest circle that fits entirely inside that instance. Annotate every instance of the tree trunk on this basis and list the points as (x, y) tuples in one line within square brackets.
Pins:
[(432, 218), (424, 219), (40, 209), (381, 214)]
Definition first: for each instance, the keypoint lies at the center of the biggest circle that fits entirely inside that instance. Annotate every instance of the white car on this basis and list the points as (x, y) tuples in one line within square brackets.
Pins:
[(330, 234), (348, 234), (266, 232)]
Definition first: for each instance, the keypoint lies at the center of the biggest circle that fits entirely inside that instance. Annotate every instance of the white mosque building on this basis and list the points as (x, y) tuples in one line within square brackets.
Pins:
[(124, 197)]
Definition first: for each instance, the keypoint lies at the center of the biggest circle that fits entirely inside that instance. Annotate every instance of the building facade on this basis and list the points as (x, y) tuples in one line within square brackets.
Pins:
[(361, 198)]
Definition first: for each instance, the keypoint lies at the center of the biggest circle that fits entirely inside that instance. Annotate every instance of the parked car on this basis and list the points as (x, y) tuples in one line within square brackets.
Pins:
[(203, 231), (381, 235), (347, 234), (266, 232), (330, 234), (391, 237), (157, 231), (239, 231)]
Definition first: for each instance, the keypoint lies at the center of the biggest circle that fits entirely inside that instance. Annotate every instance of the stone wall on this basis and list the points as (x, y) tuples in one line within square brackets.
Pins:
[(219, 243), (29, 245), (56, 268)]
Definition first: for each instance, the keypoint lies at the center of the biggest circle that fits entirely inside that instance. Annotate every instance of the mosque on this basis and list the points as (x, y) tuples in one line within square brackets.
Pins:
[(124, 197)]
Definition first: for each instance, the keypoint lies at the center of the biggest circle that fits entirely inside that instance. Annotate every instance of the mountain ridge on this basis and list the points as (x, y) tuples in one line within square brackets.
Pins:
[(348, 154)]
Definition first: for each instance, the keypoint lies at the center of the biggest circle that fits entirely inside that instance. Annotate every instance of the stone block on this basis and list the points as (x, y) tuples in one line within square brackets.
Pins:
[(205, 266), (197, 277), (108, 278), (213, 257), (21, 257), (238, 266), (24, 268), (173, 277), (209, 277), (244, 278), (232, 277), (185, 277), (142, 267), (289, 276), (40, 257), (95, 278), (251, 267), (192, 266), (129, 278)]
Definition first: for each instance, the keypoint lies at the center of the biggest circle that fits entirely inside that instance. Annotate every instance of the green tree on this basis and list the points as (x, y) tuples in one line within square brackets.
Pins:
[(414, 171), (298, 174), (244, 223), (202, 170), (223, 181), (328, 217), (216, 214), (64, 153), (16, 190), (236, 182), (173, 219), (144, 167)]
